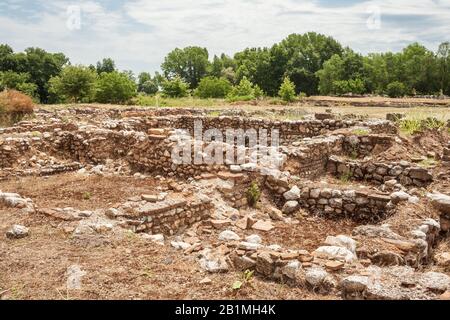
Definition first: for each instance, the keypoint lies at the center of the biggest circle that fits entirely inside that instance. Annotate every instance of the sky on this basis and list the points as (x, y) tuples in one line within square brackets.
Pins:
[(138, 34)]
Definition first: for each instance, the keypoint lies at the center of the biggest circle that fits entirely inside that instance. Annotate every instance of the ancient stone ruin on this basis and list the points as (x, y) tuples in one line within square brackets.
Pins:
[(325, 168)]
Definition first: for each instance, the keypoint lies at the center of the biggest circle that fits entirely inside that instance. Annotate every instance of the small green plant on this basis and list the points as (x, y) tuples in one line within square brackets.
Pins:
[(215, 113), (433, 123), (253, 194), (417, 123), (345, 177), (410, 126), (428, 163), (87, 195), (361, 132), (246, 278), (354, 153)]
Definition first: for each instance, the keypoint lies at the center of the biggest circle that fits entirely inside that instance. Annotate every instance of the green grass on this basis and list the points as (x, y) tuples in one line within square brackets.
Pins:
[(417, 122), (428, 163), (345, 177), (159, 101), (361, 132)]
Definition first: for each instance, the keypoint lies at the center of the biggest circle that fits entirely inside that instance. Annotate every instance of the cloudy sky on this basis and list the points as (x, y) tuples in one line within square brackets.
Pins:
[(138, 34)]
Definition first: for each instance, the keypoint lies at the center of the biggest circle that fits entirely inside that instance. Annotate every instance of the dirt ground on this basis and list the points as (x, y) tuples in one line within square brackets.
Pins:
[(123, 266)]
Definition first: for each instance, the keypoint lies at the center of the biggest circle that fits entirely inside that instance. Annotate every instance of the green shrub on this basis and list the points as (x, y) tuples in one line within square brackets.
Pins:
[(355, 86), (149, 87), (18, 81), (114, 87), (245, 91), (175, 88), (396, 89), (253, 194), (212, 87), (74, 84), (287, 90)]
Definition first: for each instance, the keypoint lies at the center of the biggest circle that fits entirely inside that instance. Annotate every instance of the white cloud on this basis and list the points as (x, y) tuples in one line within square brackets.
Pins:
[(142, 32)]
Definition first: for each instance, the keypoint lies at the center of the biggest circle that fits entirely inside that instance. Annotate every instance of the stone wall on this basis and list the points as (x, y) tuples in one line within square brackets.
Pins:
[(155, 215), (359, 146), (404, 172), (309, 159), (288, 130), (11, 149)]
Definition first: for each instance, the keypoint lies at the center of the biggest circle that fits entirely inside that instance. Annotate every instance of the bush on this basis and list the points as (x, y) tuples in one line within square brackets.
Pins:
[(287, 90), (354, 86), (212, 87), (175, 88), (253, 194), (245, 91), (396, 89), (14, 105), (18, 81), (114, 87), (74, 84), (149, 87)]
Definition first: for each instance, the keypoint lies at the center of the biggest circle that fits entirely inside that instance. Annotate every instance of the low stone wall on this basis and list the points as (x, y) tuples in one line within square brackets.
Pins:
[(152, 215), (27, 126), (288, 130), (405, 173), (309, 159), (359, 146), (359, 205), (11, 149)]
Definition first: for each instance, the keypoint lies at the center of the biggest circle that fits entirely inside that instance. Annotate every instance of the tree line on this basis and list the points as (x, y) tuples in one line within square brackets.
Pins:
[(301, 64)]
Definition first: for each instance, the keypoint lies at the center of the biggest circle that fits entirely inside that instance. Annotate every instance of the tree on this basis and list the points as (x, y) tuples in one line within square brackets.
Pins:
[(190, 64), (175, 88), (18, 81), (331, 72), (302, 56), (255, 65), (146, 84), (7, 60), (245, 91), (418, 69), (212, 87), (443, 56), (114, 87), (106, 65), (396, 89), (342, 74), (223, 67), (41, 66), (75, 84), (287, 90)]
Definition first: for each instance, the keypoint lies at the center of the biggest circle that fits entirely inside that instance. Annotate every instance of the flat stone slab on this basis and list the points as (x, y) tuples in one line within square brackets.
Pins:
[(150, 208)]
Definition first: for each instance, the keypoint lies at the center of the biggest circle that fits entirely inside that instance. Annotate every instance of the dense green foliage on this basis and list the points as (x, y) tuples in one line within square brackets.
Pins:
[(147, 84), (396, 89), (212, 87), (190, 64), (313, 63), (74, 84), (114, 87), (287, 90), (106, 65), (175, 88), (245, 91)]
